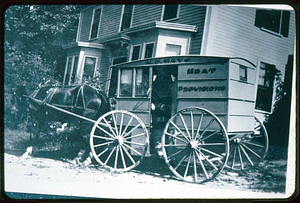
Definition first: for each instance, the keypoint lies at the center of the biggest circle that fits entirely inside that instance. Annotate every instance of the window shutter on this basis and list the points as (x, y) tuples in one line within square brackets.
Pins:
[(285, 23), (260, 18)]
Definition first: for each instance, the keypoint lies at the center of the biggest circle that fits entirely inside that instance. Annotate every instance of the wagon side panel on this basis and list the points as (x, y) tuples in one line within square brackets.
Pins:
[(241, 96)]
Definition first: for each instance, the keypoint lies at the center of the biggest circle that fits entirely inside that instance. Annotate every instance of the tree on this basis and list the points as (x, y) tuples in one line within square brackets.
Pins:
[(34, 37)]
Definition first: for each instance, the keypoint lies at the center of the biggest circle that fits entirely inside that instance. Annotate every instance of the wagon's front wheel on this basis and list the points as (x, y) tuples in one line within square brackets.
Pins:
[(119, 140), (248, 150), (195, 145)]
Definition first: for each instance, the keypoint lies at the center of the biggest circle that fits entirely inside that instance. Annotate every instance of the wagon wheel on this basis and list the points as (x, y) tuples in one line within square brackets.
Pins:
[(248, 150), (119, 140), (195, 145)]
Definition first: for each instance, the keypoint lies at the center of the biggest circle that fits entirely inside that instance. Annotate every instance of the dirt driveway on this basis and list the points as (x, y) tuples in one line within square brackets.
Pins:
[(151, 179)]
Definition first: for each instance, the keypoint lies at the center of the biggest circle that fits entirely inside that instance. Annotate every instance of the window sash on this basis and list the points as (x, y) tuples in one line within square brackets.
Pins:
[(126, 76), (149, 50), (95, 23), (74, 71), (170, 12), (135, 52), (126, 17), (264, 95), (142, 81), (273, 20), (89, 68)]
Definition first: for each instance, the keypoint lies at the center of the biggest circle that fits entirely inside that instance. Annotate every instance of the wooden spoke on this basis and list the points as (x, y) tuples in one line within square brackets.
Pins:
[(134, 136), (246, 155), (128, 124), (105, 150), (135, 143), (115, 123), (101, 137), (251, 150), (186, 128), (176, 137), (109, 127), (122, 157), (211, 144), (187, 166), (105, 131), (241, 159), (121, 124), (176, 153), (102, 144), (195, 166), (205, 138), (192, 122), (128, 133), (211, 163), (213, 153), (117, 155), (199, 126), (233, 160), (206, 128), (257, 145), (179, 130), (112, 151), (130, 157), (126, 145), (183, 158), (203, 167)]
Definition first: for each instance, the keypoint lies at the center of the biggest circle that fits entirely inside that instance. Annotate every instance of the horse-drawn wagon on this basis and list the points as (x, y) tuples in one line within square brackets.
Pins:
[(198, 110)]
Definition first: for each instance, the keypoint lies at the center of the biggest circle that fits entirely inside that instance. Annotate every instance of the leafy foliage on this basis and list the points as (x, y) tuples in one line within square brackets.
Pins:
[(34, 37), (278, 122)]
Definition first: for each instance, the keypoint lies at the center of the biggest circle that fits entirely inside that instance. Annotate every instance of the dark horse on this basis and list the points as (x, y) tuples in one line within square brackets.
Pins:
[(62, 104)]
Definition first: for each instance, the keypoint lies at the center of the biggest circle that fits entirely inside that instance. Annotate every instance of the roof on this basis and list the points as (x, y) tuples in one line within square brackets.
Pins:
[(175, 60)]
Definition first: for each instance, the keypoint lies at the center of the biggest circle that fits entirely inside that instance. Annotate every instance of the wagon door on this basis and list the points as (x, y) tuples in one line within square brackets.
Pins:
[(130, 87)]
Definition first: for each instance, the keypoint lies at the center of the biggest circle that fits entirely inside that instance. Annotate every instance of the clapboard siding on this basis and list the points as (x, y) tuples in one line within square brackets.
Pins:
[(193, 15), (86, 19), (145, 14), (232, 33), (105, 62), (110, 22)]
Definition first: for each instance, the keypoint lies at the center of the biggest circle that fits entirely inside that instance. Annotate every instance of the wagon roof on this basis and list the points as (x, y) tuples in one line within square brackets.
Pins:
[(175, 60)]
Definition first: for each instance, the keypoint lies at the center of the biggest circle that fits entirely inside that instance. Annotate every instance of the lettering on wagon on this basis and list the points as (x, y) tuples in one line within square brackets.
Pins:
[(200, 71), (202, 89), (168, 60)]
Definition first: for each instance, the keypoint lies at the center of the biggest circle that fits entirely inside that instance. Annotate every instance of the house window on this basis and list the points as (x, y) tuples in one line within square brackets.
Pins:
[(172, 50), (71, 68), (170, 12), (135, 52), (95, 23), (126, 83), (68, 70), (142, 81), (89, 68), (265, 87), (117, 60), (149, 50), (273, 20), (126, 18), (74, 72), (243, 73)]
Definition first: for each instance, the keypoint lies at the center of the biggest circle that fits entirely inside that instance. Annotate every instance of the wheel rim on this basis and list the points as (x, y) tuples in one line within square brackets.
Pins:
[(119, 140), (195, 145), (248, 150)]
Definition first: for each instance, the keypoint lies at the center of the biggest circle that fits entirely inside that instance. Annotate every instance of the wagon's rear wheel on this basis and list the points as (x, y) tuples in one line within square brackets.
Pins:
[(195, 145), (248, 150), (119, 140)]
